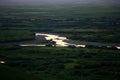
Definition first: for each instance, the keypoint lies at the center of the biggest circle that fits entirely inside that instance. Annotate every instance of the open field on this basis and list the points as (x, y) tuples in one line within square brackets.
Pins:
[(14, 74), (83, 23), (49, 63)]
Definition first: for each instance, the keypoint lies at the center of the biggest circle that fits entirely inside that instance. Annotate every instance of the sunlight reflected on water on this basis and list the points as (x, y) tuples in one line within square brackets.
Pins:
[(58, 39)]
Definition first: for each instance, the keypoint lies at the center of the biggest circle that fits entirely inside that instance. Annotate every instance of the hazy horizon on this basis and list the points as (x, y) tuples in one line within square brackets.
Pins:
[(59, 1)]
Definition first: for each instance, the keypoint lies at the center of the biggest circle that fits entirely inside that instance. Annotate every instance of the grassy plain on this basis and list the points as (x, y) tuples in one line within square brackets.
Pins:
[(50, 63), (97, 23)]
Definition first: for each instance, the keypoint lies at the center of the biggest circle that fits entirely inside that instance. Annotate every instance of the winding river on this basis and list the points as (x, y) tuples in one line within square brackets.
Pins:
[(62, 41)]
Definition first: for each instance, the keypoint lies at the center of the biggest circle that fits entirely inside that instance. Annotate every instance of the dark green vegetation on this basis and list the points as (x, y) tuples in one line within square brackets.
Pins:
[(83, 22), (7, 73), (97, 23), (49, 63), (15, 35)]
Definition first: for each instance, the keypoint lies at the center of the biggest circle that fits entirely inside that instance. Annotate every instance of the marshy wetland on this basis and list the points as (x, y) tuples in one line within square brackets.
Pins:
[(85, 39)]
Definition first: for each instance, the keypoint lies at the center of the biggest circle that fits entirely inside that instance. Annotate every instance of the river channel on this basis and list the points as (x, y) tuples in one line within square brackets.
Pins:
[(63, 41)]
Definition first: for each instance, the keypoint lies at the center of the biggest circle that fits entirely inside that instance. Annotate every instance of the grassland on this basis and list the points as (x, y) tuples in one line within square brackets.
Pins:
[(7, 73), (84, 22), (78, 22), (49, 63), (15, 36)]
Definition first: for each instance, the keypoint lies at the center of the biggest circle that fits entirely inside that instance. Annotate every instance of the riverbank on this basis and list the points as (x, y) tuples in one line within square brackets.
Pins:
[(65, 42)]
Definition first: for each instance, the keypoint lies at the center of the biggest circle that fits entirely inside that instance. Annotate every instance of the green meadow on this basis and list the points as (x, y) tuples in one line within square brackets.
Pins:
[(91, 23)]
